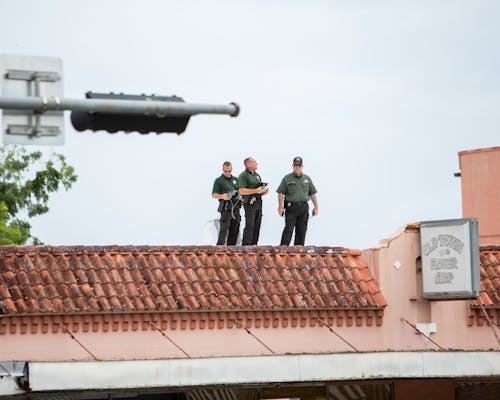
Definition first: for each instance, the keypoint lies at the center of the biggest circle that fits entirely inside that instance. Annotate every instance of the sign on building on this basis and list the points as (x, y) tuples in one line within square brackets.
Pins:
[(450, 258), (31, 76)]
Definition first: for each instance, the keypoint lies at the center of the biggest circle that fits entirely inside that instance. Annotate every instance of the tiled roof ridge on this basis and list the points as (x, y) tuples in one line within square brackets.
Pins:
[(178, 249)]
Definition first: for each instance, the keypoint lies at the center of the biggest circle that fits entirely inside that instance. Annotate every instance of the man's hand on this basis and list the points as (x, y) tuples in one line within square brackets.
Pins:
[(261, 190), (226, 196), (314, 200), (281, 210)]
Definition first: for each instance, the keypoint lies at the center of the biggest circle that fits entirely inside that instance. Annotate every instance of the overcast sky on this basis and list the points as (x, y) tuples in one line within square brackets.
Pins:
[(378, 97)]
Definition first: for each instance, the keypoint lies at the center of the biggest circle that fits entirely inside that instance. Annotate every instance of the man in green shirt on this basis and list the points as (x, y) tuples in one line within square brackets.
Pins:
[(251, 189), (294, 192), (225, 190)]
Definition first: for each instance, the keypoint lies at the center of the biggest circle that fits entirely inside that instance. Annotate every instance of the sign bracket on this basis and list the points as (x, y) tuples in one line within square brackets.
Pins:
[(33, 79)]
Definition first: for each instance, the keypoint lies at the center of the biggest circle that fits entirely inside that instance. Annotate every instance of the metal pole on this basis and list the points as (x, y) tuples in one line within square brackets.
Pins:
[(146, 107)]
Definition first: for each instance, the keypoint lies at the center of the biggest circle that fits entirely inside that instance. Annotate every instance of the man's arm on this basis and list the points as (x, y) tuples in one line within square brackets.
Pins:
[(223, 196), (246, 191), (216, 192), (281, 210), (314, 200)]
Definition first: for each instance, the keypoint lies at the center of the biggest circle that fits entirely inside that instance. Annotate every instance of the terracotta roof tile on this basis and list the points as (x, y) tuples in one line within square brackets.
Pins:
[(94, 306), (81, 304), (379, 299), (490, 277), (124, 278), (8, 306), (21, 306), (33, 306)]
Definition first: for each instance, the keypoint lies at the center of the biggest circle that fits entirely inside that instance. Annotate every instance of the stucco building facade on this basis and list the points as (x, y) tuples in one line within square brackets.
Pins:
[(214, 322)]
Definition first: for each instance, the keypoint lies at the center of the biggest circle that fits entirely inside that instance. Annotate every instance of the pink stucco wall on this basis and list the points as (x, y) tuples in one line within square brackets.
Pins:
[(480, 172), (401, 288)]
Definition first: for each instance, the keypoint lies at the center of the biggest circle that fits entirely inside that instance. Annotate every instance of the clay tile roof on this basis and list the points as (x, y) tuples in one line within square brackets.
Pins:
[(52, 280), (490, 277)]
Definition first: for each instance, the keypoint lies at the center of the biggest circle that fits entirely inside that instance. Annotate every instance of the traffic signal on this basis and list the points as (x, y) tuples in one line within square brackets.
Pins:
[(128, 122)]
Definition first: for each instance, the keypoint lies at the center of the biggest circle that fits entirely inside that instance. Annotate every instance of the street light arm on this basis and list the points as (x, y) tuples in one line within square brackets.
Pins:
[(109, 106)]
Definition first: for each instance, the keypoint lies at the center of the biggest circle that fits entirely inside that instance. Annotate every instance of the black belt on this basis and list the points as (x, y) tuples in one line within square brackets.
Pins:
[(251, 199), (297, 203)]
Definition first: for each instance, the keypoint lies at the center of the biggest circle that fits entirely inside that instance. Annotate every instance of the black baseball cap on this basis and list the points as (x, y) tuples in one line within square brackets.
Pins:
[(297, 161)]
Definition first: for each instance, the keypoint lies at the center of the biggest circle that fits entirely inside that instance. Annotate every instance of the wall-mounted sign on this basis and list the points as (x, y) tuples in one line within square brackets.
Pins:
[(450, 258)]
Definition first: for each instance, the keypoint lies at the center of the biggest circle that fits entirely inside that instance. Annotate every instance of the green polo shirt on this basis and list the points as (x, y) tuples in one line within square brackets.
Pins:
[(250, 180), (225, 185), (296, 188)]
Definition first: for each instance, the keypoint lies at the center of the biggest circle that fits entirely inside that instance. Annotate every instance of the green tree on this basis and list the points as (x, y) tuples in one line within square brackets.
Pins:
[(26, 181)]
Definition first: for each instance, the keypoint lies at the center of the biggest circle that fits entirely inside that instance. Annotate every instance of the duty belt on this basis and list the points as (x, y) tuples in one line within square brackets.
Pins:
[(295, 203), (251, 199)]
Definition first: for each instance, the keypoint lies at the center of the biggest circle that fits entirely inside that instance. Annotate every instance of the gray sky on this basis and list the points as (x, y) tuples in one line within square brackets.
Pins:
[(378, 97)]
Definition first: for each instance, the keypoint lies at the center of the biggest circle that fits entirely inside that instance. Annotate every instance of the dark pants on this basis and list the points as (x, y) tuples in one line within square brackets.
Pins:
[(253, 217), (229, 227), (296, 216)]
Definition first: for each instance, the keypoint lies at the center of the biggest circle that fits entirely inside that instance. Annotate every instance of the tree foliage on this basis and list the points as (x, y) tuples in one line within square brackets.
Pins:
[(26, 181)]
